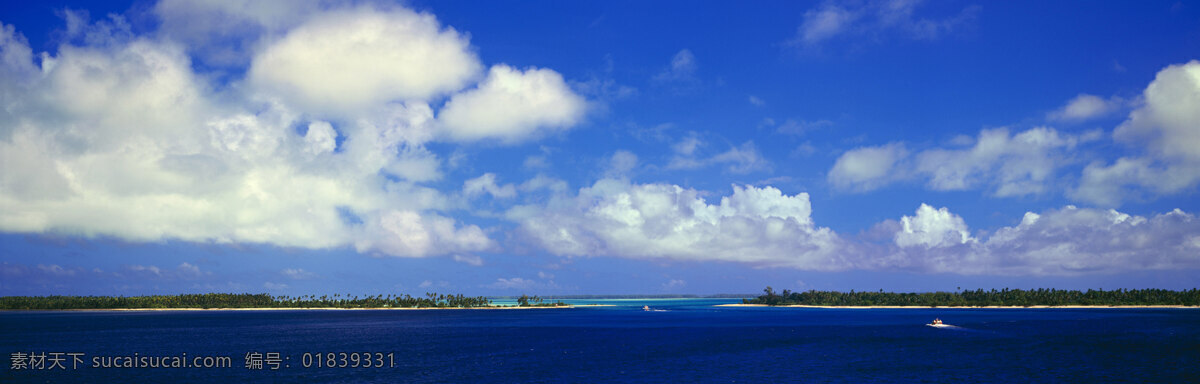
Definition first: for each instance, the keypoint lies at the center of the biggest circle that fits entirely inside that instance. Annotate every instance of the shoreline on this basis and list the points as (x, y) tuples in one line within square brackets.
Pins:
[(963, 307), (301, 309)]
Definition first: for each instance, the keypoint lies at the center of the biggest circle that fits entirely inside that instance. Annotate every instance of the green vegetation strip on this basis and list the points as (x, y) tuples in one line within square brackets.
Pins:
[(982, 298), (261, 300)]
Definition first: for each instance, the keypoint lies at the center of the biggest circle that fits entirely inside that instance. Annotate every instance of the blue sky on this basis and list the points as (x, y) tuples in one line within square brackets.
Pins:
[(310, 147)]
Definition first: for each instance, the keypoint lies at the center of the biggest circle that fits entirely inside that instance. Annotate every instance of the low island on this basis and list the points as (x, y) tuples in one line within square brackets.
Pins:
[(263, 301), (1006, 298)]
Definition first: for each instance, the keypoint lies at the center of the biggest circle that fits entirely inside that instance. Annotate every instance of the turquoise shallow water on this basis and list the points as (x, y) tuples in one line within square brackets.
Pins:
[(682, 341)]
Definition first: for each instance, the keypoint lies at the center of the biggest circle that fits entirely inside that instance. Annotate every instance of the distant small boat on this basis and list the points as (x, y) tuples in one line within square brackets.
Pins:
[(937, 323)]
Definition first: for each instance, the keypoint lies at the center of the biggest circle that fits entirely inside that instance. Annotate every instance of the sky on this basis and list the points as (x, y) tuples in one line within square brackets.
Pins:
[(597, 147)]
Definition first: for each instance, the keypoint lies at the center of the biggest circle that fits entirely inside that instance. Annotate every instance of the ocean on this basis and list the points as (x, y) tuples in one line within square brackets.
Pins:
[(680, 341)]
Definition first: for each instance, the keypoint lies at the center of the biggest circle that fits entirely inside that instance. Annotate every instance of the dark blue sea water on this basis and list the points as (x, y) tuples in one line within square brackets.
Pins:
[(686, 341)]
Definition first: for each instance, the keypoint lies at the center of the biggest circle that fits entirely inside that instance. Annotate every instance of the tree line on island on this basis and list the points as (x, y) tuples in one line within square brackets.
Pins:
[(980, 298), (260, 300)]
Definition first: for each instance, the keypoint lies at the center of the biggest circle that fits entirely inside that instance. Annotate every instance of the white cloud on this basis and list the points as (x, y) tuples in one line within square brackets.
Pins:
[(425, 284), (225, 33), (297, 274), (512, 105), (1013, 165), (805, 149), (415, 163), (409, 234), (1007, 164), (824, 23), (472, 260), (867, 168), (1085, 107), (682, 68), (740, 159), (800, 127), (1133, 178), (56, 270), (514, 283), (189, 270), (875, 19), (932, 228), (144, 268), (1164, 126), (659, 221), (674, 284), (486, 183), (123, 139), (621, 163), (101, 32), (535, 162), (1068, 241), (688, 145), (763, 227), (275, 286), (757, 101), (321, 138), (544, 182), (1166, 121), (347, 61)]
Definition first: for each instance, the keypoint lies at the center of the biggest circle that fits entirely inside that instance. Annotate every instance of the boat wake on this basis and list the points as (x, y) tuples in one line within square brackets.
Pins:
[(943, 326), (937, 323)]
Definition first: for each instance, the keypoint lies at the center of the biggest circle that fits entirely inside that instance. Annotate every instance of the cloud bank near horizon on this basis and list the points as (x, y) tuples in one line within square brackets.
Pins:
[(322, 139)]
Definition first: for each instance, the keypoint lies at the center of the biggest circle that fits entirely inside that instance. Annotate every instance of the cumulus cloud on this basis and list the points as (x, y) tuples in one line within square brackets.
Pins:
[(932, 228), (225, 33), (512, 105), (347, 61), (121, 136), (760, 226), (875, 19), (1008, 164), (1164, 127), (1068, 241), (1011, 164), (486, 183), (320, 138), (763, 227), (621, 163), (1085, 107), (410, 234), (867, 168)]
